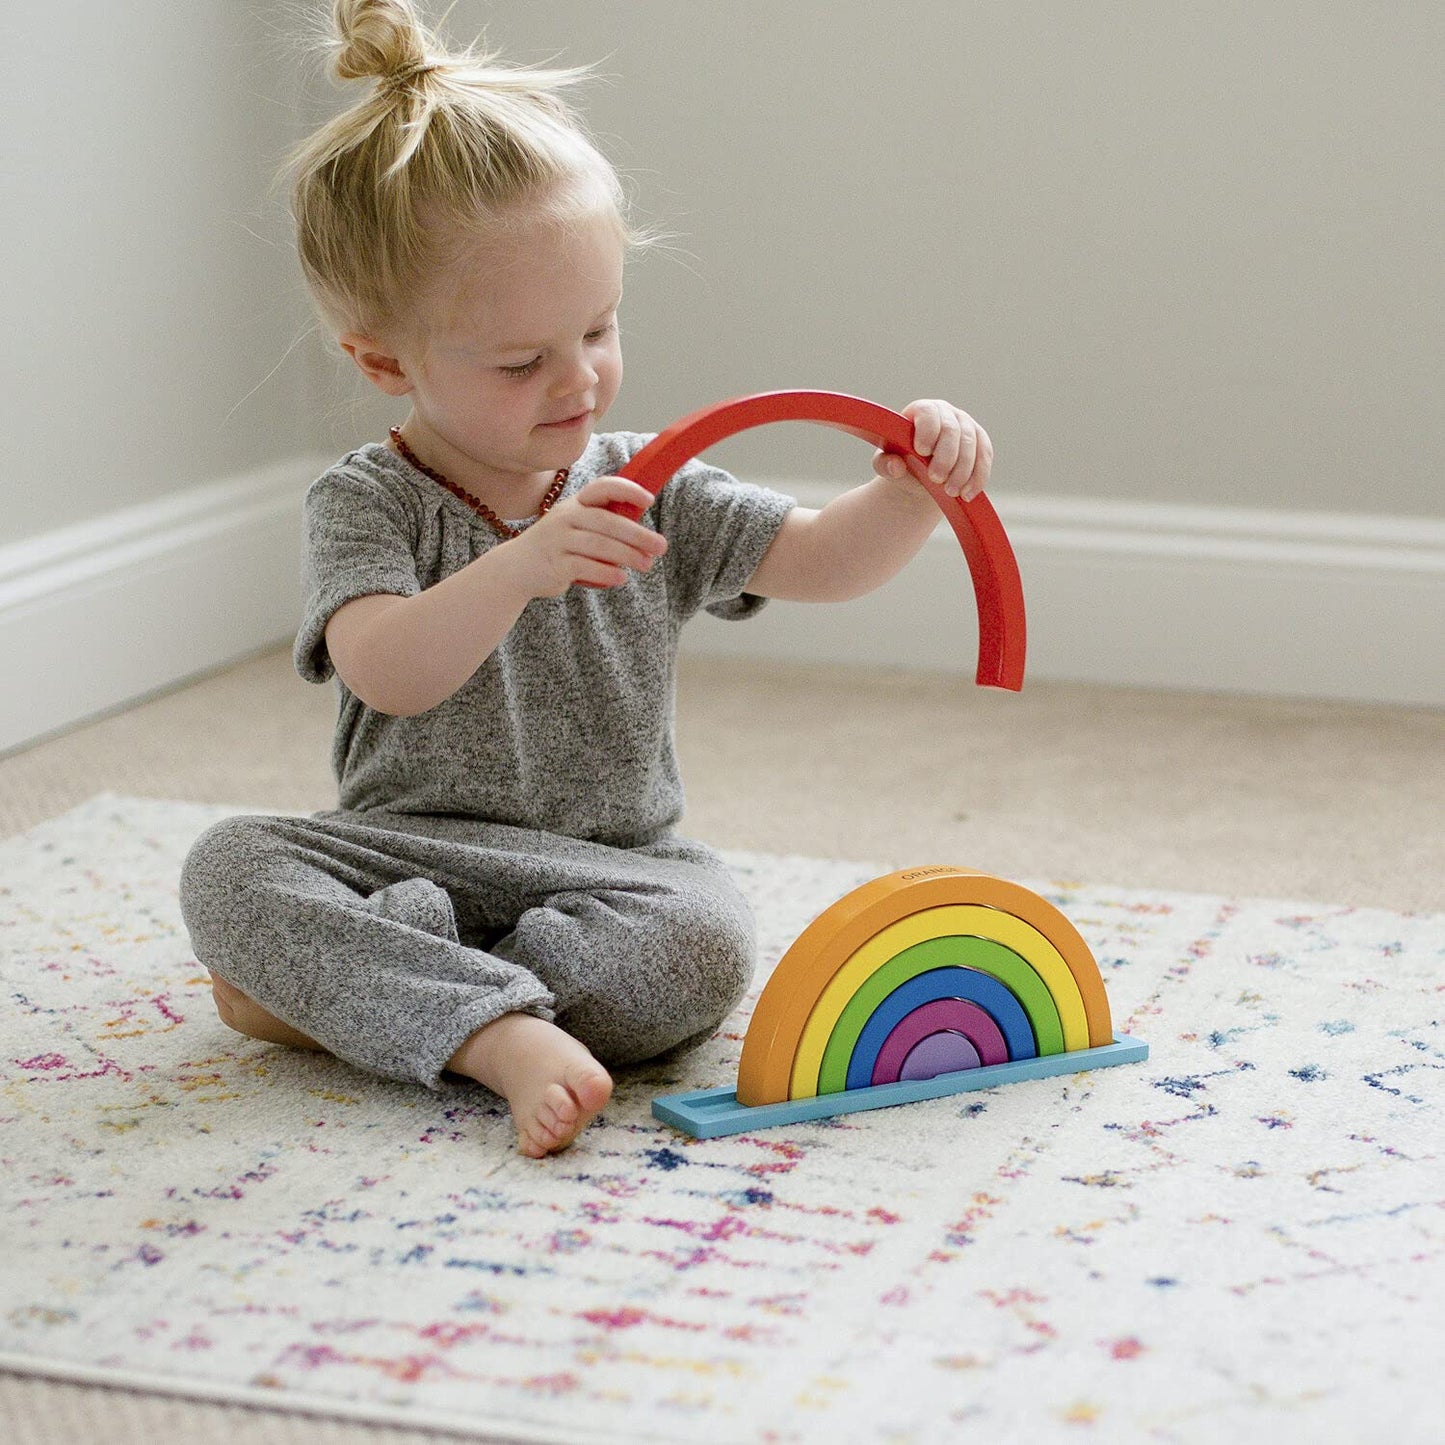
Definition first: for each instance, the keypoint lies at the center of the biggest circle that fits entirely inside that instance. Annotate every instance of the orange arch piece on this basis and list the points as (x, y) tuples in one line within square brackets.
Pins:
[(804, 971), (991, 562)]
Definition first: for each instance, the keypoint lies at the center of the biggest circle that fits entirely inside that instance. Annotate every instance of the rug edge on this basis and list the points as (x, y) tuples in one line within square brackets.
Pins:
[(285, 1402), (1043, 884)]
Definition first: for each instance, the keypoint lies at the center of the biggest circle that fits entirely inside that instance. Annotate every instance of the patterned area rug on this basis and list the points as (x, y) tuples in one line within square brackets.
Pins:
[(1242, 1237)]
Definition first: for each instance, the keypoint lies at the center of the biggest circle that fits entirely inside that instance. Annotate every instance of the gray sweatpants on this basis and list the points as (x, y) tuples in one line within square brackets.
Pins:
[(390, 939)]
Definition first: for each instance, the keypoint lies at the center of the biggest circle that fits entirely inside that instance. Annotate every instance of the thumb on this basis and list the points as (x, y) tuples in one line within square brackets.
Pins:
[(889, 464)]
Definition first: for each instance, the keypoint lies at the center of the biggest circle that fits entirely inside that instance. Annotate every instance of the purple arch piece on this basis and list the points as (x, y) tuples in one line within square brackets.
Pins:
[(951, 1015), (942, 1053)]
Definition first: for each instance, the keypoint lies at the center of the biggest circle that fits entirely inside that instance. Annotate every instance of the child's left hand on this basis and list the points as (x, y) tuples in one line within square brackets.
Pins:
[(960, 453)]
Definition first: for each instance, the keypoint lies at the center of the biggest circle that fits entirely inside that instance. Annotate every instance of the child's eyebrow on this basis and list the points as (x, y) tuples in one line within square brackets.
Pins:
[(541, 345)]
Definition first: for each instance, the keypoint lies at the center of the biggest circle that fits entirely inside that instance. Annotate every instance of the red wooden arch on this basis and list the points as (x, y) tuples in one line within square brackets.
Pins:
[(995, 573)]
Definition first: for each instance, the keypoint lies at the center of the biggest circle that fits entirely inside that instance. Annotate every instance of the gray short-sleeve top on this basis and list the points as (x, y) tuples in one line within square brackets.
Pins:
[(568, 726)]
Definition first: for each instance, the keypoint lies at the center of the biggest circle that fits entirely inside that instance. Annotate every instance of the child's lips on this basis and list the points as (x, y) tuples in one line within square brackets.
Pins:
[(566, 422)]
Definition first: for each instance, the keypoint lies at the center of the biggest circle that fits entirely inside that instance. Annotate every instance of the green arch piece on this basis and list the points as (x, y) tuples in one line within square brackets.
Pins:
[(958, 951)]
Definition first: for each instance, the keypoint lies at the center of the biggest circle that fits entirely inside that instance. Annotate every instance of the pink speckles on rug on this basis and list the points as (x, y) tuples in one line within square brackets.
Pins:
[(1245, 1235)]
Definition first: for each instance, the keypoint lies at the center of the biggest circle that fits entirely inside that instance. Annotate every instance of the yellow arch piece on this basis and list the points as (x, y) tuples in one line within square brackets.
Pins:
[(965, 919), (804, 971)]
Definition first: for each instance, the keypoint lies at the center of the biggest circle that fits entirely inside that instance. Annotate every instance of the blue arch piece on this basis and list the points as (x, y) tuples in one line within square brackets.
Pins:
[(967, 983)]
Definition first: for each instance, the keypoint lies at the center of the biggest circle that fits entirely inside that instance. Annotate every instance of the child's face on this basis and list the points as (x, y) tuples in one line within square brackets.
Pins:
[(521, 356)]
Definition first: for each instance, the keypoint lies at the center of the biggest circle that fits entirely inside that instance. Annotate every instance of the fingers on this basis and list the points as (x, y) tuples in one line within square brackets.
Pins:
[(597, 560), (615, 551), (890, 464), (614, 537), (603, 491), (940, 434), (959, 452), (591, 544), (983, 467)]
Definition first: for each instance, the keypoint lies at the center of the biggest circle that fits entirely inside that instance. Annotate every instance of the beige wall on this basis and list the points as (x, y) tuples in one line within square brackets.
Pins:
[(1167, 252), (1179, 253), (148, 286)]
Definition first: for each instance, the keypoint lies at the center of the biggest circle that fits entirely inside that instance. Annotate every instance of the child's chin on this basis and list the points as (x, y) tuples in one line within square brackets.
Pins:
[(567, 446)]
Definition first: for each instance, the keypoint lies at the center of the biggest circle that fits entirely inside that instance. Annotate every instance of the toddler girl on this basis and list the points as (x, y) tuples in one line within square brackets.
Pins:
[(501, 892)]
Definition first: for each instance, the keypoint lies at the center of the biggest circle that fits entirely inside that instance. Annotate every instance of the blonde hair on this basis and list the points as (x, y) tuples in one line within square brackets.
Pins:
[(445, 146)]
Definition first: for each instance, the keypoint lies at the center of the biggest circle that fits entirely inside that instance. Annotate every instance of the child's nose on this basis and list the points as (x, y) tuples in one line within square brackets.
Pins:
[(578, 375)]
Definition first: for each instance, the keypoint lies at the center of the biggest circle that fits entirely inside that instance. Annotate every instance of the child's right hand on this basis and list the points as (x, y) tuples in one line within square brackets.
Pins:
[(579, 540)]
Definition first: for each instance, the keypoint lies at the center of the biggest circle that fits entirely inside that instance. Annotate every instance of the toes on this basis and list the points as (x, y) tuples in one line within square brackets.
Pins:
[(562, 1105), (528, 1146), (559, 1119), (577, 1093), (591, 1087), (539, 1141)]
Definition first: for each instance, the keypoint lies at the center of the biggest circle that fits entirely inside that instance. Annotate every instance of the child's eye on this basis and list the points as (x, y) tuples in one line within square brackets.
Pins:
[(527, 368)]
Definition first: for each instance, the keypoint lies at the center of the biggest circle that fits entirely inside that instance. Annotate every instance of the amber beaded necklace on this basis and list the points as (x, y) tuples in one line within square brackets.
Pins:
[(480, 508)]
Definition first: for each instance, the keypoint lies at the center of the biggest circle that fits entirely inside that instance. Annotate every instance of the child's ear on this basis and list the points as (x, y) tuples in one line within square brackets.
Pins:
[(376, 363)]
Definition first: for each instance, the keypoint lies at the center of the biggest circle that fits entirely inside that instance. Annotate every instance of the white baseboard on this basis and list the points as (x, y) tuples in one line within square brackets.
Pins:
[(1292, 604), (1272, 603), (95, 615)]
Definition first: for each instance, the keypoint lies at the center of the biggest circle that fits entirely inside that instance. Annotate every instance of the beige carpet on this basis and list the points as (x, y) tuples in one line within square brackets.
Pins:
[(1217, 795), (1210, 794)]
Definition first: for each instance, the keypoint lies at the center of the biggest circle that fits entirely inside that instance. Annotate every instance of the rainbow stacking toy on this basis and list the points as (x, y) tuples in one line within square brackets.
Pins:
[(922, 983), (926, 982)]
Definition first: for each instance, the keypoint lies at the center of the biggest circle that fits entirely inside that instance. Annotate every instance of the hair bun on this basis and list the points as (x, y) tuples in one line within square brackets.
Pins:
[(384, 39)]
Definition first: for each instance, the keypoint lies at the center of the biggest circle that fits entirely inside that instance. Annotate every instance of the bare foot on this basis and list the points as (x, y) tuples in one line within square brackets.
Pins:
[(554, 1085), (241, 1012)]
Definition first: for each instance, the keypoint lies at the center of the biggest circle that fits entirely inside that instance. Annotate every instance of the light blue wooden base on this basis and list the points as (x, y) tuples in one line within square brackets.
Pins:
[(710, 1113)]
